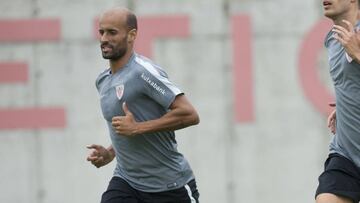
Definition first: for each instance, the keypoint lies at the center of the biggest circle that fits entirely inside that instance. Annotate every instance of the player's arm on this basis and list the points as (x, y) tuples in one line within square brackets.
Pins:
[(100, 156), (181, 114), (349, 38), (331, 121)]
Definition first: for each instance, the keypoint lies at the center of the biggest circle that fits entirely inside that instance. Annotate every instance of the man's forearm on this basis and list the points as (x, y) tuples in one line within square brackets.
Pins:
[(357, 57), (111, 151), (181, 114), (173, 120)]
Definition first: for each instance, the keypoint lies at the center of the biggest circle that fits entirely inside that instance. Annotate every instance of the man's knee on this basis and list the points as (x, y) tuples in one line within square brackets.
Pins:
[(331, 198)]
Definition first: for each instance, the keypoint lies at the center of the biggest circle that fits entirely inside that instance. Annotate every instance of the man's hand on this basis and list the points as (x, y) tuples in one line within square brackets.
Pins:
[(100, 156), (125, 125), (331, 121), (349, 38)]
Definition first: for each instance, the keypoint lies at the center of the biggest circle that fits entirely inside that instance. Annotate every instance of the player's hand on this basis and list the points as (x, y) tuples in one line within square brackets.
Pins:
[(349, 38), (125, 125), (331, 121), (100, 156)]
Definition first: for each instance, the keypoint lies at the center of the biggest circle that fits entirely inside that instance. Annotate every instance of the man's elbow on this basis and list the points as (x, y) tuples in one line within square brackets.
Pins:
[(189, 117), (195, 119)]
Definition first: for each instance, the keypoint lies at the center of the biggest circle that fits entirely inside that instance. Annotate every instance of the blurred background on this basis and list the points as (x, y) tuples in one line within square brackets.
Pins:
[(256, 71)]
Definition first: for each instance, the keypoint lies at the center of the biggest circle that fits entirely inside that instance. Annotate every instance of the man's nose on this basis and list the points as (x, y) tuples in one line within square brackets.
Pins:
[(104, 38)]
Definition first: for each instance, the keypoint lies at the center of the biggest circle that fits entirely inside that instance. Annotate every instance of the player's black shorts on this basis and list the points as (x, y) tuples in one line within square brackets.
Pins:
[(119, 191), (341, 177)]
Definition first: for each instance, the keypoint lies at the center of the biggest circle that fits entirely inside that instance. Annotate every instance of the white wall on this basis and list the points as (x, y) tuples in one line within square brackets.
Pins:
[(277, 158)]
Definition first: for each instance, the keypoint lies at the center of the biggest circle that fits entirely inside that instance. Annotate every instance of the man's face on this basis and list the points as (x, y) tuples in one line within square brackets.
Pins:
[(113, 38), (335, 8)]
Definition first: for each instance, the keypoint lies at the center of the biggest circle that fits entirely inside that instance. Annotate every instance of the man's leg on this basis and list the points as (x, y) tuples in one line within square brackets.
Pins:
[(187, 194), (339, 182), (331, 198), (119, 191)]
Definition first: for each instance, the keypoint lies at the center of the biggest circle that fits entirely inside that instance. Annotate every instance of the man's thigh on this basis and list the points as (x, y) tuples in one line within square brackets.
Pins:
[(340, 181), (186, 194), (331, 198), (119, 191)]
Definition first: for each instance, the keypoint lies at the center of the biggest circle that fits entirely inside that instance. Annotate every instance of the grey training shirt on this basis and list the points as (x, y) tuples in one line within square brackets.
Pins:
[(148, 162), (345, 74)]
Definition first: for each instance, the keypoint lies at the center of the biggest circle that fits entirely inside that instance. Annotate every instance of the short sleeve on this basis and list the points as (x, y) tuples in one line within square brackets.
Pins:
[(157, 85)]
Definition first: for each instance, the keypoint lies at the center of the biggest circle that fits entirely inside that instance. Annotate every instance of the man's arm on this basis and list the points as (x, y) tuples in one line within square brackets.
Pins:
[(349, 38), (331, 121), (181, 115), (100, 156)]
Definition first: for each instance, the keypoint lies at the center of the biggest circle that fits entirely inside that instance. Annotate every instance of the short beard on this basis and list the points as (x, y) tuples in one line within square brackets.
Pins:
[(119, 52), (117, 55)]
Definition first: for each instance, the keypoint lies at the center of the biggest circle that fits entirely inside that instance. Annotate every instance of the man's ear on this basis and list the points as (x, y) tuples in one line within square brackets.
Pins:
[(132, 35)]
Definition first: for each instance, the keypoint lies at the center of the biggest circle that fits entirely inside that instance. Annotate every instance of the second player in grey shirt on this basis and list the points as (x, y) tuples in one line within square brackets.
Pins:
[(345, 74)]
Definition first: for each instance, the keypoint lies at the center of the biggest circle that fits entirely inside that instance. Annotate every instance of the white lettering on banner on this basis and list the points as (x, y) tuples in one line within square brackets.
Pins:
[(152, 84)]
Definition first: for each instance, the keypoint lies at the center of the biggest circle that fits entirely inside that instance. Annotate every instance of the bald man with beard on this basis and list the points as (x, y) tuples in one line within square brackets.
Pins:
[(142, 109)]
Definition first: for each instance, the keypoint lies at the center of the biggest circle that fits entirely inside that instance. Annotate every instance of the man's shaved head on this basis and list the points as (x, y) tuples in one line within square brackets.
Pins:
[(122, 15)]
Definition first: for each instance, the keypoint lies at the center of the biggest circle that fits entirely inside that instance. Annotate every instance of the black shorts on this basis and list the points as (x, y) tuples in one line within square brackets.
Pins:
[(341, 177), (119, 191)]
